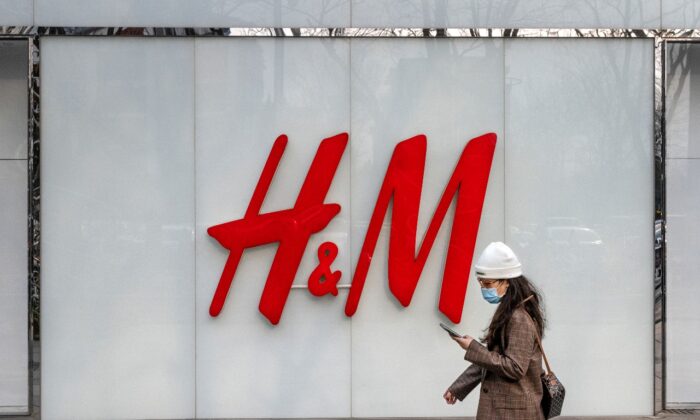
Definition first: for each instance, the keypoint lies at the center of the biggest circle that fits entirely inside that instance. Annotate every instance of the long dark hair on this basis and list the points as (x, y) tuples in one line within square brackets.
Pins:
[(518, 290)]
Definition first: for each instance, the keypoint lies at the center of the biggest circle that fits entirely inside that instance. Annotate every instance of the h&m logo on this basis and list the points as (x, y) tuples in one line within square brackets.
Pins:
[(403, 182)]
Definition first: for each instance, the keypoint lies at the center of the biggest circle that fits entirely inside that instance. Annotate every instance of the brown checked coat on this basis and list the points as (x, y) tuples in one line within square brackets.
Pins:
[(511, 388)]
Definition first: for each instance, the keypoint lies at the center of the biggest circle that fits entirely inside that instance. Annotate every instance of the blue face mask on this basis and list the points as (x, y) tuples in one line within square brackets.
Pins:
[(491, 295)]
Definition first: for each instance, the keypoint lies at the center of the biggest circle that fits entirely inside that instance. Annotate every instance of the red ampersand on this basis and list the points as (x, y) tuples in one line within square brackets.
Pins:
[(322, 280)]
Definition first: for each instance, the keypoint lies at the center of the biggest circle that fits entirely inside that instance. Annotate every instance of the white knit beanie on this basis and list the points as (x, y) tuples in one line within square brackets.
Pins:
[(498, 261)]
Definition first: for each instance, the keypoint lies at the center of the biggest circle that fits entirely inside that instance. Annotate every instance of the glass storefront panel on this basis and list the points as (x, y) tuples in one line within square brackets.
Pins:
[(117, 179), (14, 361), (451, 91), (683, 221), (147, 143), (250, 91), (579, 207)]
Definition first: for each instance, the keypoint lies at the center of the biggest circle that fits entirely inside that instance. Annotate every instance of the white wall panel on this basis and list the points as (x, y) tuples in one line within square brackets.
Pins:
[(117, 178), (14, 352), (683, 317), (207, 13), (128, 270), (13, 99), (16, 12), (570, 14), (507, 13), (249, 92), (414, 13), (451, 91), (579, 210)]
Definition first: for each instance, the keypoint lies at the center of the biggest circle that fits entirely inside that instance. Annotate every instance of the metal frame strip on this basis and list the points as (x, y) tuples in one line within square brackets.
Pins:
[(32, 214), (344, 32), (28, 31), (34, 217), (659, 225)]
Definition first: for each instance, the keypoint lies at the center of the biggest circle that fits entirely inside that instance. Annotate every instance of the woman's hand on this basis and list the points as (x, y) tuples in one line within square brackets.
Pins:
[(449, 397), (463, 341)]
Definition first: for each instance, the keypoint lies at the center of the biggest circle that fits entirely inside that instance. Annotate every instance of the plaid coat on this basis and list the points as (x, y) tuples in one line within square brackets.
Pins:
[(511, 388)]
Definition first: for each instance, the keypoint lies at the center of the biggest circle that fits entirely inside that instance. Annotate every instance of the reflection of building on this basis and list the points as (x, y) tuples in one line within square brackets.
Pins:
[(147, 141)]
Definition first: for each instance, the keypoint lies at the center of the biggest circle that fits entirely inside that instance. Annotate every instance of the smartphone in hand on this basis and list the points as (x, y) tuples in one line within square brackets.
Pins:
[(450, 331)]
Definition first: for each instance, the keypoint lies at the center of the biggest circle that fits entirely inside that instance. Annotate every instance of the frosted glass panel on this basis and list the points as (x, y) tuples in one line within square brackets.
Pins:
[(451, 91), (193, 13), (14, 374), (117, 177), (249, 92), (13, 99), (683, 209), (570, 14), (414, 13), (683, 101), (579, 210), (148, 142), (14, 390), (16, 12), (680, 14), (507, 13), (683, 318)]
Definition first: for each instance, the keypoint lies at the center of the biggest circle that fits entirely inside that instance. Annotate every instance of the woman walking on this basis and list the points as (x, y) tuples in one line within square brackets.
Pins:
[(510, 365)]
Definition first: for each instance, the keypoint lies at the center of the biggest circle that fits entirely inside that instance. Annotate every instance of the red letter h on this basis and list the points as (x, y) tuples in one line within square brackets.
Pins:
[(292, 228)]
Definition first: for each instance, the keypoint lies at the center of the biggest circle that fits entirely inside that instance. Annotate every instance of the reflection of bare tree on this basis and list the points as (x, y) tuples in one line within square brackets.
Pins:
[(687, 9), (586, 103), (533, 13), (678, 68), (682, 99), (241, 9), (604, 81)]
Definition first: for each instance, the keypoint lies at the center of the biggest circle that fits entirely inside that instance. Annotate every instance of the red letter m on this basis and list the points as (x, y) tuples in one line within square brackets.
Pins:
[(403, 182)]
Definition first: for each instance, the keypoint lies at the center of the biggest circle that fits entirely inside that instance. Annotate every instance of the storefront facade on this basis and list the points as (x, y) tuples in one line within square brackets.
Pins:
[(139, 140)]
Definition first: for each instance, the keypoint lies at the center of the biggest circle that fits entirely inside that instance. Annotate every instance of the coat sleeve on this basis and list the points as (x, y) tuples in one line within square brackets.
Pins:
[(466, 382), (520, 333)]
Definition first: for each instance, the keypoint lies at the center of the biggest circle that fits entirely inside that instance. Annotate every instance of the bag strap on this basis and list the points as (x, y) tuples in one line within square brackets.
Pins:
[(537, 335)]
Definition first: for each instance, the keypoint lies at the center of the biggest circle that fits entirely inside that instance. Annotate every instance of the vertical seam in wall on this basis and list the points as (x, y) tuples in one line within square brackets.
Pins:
[(350, 1), (350, 189), (194, 184), (505, 208), (34, 12), (661, 15)]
